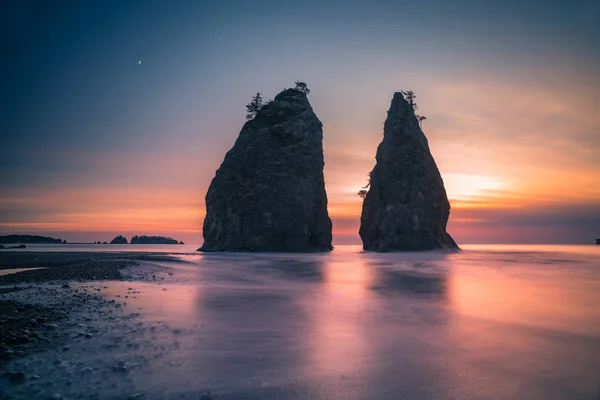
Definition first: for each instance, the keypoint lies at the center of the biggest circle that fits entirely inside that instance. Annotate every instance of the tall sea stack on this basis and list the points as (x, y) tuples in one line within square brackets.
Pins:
[(269, 193), (406, 208)]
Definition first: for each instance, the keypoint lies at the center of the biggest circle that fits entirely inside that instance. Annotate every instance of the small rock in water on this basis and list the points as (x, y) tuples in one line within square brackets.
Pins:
[(207, 396), (56, 396), (137, 396)]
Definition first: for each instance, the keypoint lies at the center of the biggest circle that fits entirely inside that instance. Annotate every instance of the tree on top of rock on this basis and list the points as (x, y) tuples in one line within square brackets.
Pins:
[(254, 106), (410, 96), (301, 87)]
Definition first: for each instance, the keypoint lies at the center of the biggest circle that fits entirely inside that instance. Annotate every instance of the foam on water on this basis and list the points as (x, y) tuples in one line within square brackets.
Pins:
[(16, 270)]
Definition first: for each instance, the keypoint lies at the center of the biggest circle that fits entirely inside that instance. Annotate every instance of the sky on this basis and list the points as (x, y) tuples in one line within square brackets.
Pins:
[(94, 143)]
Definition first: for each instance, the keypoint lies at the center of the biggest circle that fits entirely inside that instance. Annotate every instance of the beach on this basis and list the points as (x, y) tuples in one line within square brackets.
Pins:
[(490, 322)]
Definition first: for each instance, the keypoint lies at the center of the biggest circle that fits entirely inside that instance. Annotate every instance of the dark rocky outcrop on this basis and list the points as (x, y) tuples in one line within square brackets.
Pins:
[(406, 207), (152, 240), (15, 239), (119, 240), (269, 193)]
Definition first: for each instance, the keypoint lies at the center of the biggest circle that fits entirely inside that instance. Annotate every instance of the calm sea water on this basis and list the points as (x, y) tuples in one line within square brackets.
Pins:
[(109, 248), (490, 322)]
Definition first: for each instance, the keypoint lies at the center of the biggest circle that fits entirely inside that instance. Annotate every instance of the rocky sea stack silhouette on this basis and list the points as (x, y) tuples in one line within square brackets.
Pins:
[(13, 239), (119, 240), (269, 193), (406, 207), (152, 240)]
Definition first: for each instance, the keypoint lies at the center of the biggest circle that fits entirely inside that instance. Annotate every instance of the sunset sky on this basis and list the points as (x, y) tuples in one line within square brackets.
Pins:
[(95, 144)]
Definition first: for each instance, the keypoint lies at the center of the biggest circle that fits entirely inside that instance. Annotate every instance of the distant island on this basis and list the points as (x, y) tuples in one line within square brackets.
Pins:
[(153, 240), (13, 239), (145, 240)]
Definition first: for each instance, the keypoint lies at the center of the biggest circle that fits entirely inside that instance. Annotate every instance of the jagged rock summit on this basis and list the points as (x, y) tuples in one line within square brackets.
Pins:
[(269, 193), (406, 207)]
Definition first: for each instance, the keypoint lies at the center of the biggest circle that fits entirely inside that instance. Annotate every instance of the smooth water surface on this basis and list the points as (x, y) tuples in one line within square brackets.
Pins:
[(486, 323), (108, 248), (519, 322)]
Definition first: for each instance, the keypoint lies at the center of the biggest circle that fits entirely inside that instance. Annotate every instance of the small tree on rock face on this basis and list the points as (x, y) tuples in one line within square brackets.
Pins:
[(420, 118), (301, 87), (362, 193), (254, 106), (368, 185)]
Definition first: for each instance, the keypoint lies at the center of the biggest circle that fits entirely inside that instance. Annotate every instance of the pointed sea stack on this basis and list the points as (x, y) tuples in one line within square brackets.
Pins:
[(269, 193), (406, 208)]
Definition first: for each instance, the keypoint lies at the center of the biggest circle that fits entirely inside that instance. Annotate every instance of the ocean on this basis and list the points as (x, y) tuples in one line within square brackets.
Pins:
[(108, 248), (489, 322)]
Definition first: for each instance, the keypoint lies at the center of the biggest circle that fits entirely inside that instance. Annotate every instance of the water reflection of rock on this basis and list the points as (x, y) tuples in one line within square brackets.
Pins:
[(251, 267), (258, 318), (298, 270), (414, 274), (390, 281)]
